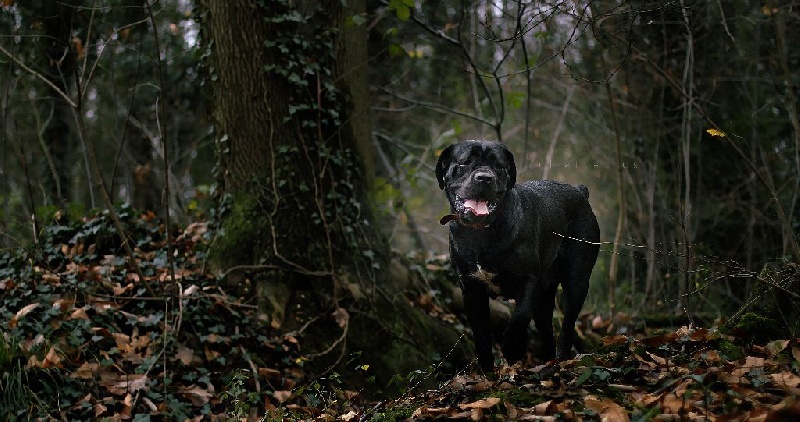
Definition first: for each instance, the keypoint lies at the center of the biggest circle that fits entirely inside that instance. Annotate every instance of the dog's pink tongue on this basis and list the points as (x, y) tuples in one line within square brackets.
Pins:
[(477, 207)]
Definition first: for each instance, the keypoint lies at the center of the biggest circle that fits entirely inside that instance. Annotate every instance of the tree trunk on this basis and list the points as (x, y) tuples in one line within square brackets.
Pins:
[(291, 107), (57, 134)]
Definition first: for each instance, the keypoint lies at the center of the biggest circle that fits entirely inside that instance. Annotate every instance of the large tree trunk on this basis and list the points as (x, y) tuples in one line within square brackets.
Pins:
[(292, 115)]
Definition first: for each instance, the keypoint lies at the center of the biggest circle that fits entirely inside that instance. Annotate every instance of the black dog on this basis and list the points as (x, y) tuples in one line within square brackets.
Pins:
[(520, 241)]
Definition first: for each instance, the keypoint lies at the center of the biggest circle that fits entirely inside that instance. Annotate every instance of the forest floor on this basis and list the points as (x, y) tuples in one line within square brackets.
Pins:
[(86, 335)]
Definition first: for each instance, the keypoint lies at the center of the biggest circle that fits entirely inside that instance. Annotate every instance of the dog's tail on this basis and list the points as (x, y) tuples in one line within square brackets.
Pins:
[(584, 190)]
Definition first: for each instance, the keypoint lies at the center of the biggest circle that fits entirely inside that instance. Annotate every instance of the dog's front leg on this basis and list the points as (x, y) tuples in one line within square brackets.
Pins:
[(515, 340), (476, 303)]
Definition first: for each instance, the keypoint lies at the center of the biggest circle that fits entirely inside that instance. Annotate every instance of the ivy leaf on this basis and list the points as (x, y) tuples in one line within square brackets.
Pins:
[(359, 19), (402, 8)]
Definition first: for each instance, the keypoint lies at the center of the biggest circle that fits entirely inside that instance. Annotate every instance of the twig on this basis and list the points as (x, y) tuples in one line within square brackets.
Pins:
[(297, 269), (777, 286), (785, 223), (38, 75)]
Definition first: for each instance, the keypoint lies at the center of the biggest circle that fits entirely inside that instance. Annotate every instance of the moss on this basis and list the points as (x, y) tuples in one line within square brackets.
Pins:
[(758, 328), (241, 236), (399, 413), (518, 397), (729, 350)]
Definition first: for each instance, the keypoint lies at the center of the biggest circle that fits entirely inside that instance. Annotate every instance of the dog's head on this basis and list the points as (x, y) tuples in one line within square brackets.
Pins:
[(475, 175)]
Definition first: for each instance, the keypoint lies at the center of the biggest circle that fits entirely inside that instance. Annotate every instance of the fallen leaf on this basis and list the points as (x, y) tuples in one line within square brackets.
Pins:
[(776, 347), (184, 354), (52, 359), (190, 290), (787, 381), (21, 313), (544, 408), (481, 404), (79, 313), (749, 364), (657, 359), (282, 395), (270, 373), (198, 396), (86, 371), (349, 416), (124, 383), (210, 354), (614, 340), (608, 410), (99, 409)]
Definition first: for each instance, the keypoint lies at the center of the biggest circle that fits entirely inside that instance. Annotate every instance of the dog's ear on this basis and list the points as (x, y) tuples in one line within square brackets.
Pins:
[(443, 164), (512, 167)]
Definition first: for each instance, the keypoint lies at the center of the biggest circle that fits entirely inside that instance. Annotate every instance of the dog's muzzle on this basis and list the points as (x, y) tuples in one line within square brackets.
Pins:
[(472, 213)]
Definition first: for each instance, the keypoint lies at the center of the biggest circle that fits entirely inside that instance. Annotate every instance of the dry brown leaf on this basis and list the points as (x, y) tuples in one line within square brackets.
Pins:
[(776, 347), (787, 381), (608, 410), (184, 354), (657, 359), (210, 354), (481, 404), (119, 290), (674, 402), (79, 313), (544, 408), (482, 385), (749, 364), (86, 371), (21, 313), (123, 341), (475, 415), (282, 395), (197, 395), (270, 373), (62, 304), (712, 356), (99, 409), (699, 334), (52, 359), (426, 411), (124, 383), (349, 416), (614, 340)]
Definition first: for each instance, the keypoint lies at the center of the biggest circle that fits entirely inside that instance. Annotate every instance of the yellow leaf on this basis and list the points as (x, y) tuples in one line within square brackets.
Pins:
[(716, 132)]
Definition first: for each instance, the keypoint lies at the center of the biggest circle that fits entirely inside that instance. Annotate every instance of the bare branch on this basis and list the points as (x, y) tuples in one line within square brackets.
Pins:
[(38, 75)]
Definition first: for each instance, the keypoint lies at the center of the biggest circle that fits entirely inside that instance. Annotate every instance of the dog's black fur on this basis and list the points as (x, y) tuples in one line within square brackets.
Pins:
[(519, 241)]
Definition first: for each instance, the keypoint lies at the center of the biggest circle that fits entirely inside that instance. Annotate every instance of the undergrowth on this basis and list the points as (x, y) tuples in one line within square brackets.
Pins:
[(87, 333), (82, 337)]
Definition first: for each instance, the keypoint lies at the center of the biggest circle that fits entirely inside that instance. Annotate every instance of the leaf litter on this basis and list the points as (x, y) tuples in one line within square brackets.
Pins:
[(93, 345)]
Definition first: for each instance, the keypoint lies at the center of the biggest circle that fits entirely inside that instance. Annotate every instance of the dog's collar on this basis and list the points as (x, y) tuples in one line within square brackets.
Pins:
[(450, 217)]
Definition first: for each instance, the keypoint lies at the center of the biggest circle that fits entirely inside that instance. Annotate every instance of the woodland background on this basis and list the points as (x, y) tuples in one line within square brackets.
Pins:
[(176, 174)]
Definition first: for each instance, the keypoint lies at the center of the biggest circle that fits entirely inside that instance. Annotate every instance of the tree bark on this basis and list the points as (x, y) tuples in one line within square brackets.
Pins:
[(291, 100)]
